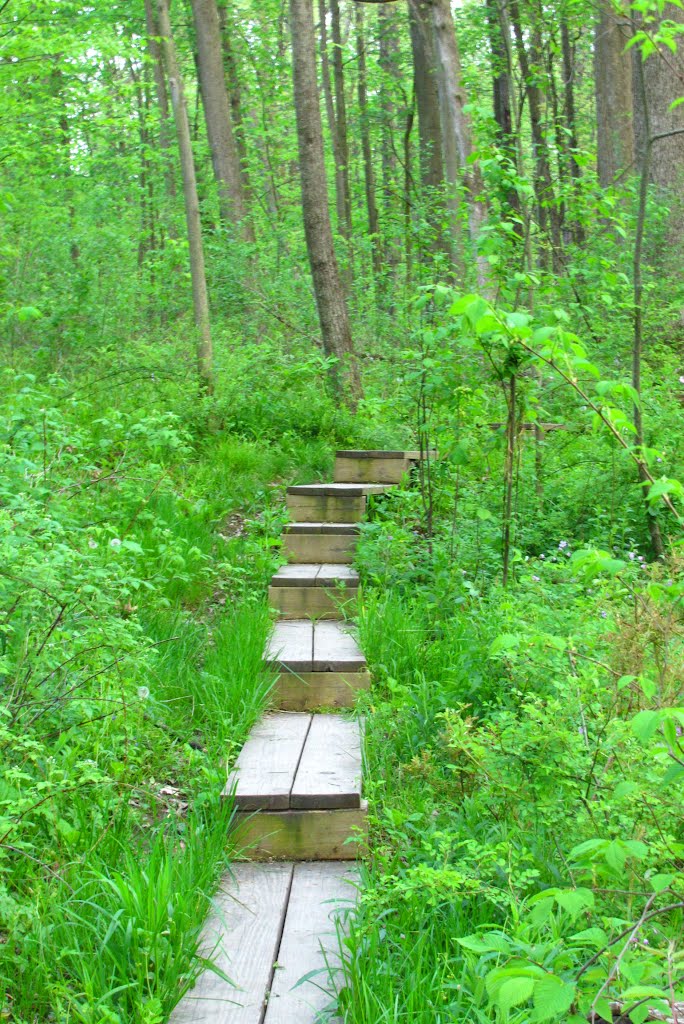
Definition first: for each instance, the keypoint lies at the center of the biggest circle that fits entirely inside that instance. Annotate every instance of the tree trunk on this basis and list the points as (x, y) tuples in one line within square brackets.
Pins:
[(570, 148), (663, 83), (224, 152), (332, 121), (235, 98), (154, 51), (388, 45), (456, 129), (369, 177), (429, 122), (614, 104), (502, 94), (200, 295), (332, 309), (342, 147)]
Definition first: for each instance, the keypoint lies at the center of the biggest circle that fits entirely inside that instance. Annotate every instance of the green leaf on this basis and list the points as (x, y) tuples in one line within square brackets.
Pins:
[(575, 900), (514, 992), (645, 724), (552, 996)]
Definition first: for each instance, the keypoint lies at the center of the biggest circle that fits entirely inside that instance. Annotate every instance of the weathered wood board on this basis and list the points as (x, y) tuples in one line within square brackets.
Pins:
[(351, 529), (317, 602), (265, 770), (290, 646), (335, 649), (321, 898), (306, 691), (300, 835), (319, 547), (329, 771), (336, 490), (313, 508), (243, 934)]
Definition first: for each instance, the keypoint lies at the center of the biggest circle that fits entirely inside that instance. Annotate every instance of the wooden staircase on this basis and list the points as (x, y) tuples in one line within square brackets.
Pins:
[(297, 784)]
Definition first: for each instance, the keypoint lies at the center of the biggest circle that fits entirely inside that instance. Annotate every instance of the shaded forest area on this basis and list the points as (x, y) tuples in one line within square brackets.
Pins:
[(234, 237)]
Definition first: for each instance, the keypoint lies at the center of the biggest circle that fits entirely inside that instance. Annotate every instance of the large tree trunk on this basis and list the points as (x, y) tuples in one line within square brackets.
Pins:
[(614, 105), (369, 177), (456, 129), (162, 98), (663, 82), (224, 152), (235, 97), (429, 122), (200, 295), (332, 309)]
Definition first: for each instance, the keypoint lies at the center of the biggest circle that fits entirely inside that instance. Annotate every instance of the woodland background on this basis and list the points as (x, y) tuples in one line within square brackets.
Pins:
[(234, 237)]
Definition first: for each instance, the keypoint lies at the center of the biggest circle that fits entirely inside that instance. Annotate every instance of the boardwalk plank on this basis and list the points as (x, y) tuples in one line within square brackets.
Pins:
[(335, 649), (320, 900), (329, 772), (291, 645), (243, 933), (300, 835), (265, 770)]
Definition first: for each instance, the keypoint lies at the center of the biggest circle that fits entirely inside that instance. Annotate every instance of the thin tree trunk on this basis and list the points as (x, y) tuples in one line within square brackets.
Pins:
[(341, 116), (332, 309), (200, 295), (224, 152), (235, 98), (155, 53), (388, 44), (502, 92), (369, 177), (330, 113)]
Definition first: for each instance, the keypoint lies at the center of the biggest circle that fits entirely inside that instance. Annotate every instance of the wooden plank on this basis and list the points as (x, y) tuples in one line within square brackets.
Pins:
[(319, 547), (306, 508), (243, 933), (329, 772), (317, 602), (307, 691), (291, 645), (333, 490), (335, 649), (265, 770), (368, 453), (296, 576), (341, 528), (382, 471), (300, 835), (331, 575), (321, 899)]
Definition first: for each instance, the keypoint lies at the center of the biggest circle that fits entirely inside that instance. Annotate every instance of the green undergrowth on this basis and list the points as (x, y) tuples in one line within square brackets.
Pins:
[(524, 776)]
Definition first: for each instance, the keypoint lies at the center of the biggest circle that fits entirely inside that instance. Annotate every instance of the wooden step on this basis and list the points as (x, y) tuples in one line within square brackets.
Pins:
[(320, 542), (320, 665), (272, 926), (330, 503), (325, 590), (382, 467), (301, 774)]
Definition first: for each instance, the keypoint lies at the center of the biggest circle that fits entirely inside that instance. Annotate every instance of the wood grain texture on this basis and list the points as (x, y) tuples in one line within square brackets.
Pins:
[(243, 934), (333, 490), (319, 547), (321, 898), (290, 646), (319, 508), (341, 528), (329, 772), (265, 770), (335, 649), (300, 835), (380, 470), (307, 691), (318, 602)]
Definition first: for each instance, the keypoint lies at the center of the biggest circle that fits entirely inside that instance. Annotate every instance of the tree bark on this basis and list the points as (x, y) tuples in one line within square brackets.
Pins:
[(369, 176), (614, 104), (224, 152), (663, 82), (235, 97), (456, 128), (388, 45), (332, 309), (332, 121), (502, 95), (200, 295)]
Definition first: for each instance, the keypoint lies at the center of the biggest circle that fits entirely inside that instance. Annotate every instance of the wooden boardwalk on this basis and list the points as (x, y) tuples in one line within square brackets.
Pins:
[(297, 785)]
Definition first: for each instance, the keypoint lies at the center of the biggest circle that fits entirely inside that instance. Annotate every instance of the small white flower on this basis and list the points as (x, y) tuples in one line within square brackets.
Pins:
[(536, 579), (632, 555), (115, 542), (92, 543), (681, 379), (143, 692), (562, 545)]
